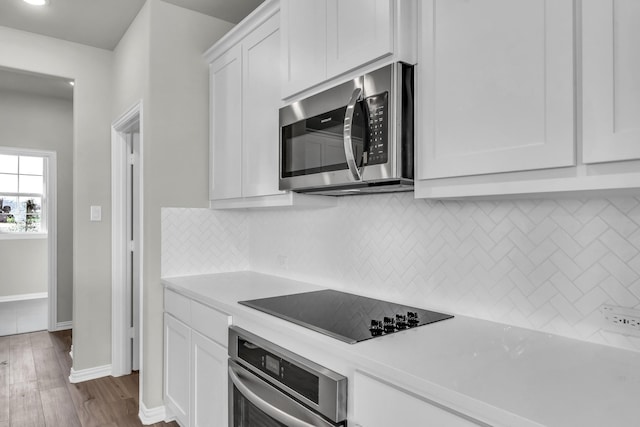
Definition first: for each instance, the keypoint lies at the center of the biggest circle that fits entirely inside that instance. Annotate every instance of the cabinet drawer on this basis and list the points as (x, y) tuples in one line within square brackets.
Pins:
[(210, 322), (378, 404), (177, 305)]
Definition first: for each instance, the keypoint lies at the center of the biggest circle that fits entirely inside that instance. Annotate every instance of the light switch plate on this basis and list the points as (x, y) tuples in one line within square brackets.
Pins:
[(96, 213)]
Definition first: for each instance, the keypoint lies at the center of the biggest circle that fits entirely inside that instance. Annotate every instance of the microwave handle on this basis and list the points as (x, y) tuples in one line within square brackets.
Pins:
[(348, 146)]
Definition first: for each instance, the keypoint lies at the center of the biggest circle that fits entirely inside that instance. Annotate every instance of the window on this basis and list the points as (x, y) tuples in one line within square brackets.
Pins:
[(22, 192)]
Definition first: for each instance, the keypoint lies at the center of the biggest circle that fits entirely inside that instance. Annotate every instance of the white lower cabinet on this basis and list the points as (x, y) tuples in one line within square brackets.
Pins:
[(195, 362), (177, 336), (378, 404), (209, 382)]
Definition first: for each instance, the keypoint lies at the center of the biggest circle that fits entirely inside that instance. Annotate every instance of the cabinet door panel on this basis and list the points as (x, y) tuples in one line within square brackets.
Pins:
[(304, 45), (358, 31), (226, 125), (209, 382), (496, 86), (176, 368), (611, 80), (261, 101)]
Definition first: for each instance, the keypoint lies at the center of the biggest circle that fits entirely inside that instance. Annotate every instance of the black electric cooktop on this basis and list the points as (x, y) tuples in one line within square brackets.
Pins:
[(347, 317)]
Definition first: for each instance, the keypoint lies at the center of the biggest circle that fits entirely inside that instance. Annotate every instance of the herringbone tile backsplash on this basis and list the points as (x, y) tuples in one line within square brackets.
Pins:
[(541, 264)]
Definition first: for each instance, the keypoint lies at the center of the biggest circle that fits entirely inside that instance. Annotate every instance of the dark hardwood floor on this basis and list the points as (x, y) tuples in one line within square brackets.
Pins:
[(35, 389)]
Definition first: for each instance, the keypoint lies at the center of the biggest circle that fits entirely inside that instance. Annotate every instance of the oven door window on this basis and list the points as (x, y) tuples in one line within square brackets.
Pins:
[(316, 145), (246, 414)]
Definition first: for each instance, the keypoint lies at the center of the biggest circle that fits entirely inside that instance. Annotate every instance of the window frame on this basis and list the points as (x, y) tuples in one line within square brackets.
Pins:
[(47, 208)]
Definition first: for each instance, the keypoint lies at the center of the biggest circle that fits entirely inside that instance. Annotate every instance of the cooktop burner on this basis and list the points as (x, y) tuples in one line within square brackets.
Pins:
[(347, 317)]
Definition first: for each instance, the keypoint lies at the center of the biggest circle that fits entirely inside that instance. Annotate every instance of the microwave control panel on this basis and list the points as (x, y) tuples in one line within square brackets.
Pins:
[(377, 129)]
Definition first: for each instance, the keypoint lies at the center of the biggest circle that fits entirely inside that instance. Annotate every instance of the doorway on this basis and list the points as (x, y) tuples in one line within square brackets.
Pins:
[(36, 225), (126, 146)]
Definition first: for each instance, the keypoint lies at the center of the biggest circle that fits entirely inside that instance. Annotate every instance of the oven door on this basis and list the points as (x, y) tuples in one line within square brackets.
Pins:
[(255, 403)]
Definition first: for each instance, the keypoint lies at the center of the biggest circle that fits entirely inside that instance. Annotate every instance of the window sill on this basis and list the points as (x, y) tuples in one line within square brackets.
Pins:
[(22, 236)]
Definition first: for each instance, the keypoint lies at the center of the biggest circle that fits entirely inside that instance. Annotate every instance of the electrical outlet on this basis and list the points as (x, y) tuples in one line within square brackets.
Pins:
[(621, 320), (283, 262)]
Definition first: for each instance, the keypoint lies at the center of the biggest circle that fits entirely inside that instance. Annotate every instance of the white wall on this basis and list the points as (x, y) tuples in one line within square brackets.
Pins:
[(43, 123), (159, 61), (91, 69), (540, 264), (23, 267)]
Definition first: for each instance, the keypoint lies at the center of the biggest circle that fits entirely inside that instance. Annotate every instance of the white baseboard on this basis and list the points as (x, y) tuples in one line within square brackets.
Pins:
[(151, 416), (89, 374), (23, 297), (63, 326)]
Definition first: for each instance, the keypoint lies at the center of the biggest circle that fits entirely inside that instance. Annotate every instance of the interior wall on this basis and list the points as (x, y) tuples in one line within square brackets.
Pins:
[(91, 70), (159, 61), (42, 123), (23, 266)]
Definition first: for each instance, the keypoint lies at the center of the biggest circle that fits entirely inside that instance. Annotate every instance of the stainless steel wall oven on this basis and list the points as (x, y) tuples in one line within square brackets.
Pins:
[(270, 386)]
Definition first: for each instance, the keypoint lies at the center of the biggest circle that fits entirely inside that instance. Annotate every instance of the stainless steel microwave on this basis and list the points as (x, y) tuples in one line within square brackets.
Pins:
[(353, 138)]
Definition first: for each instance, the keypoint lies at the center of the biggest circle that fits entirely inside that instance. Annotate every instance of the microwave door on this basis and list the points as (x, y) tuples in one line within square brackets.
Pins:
[(317, 145)]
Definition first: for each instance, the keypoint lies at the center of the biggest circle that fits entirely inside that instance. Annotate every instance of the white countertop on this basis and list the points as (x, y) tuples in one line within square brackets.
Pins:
[(499, 374)]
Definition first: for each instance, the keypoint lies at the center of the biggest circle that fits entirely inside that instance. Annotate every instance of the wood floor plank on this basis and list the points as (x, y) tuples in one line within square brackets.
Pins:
[(4, 389), (4, 348), (40, 339), (129, 384), (57, 408), (21, 366), (48, 369), (26, 408), (20, 340)]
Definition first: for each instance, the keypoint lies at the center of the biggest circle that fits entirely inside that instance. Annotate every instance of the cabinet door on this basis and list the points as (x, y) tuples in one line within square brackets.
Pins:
[(176, 368), (495, 86), (380, 405), (226, 126), (261, 101), (209, 403), (358, 32), (304, 32), (611, 80)]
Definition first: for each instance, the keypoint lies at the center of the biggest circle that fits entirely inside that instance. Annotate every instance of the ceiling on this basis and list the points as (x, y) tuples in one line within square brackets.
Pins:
[(102, 23)]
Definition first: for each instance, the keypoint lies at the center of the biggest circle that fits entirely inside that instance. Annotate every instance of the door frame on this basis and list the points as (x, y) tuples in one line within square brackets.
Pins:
[(120, 298)]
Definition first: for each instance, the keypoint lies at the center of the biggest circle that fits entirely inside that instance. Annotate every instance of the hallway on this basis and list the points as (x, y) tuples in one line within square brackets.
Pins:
[(35, 389)]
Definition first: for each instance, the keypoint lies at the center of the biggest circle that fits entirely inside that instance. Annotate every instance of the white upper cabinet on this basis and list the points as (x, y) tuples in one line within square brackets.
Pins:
[(304, 44), (495, 86), (245, 88), (323, 39), (358, 31), (226, 125), (611, 80), (245, 98), (260, 104)]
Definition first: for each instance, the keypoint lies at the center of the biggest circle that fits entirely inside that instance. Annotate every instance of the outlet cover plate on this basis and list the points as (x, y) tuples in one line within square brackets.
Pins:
[(621, 320)]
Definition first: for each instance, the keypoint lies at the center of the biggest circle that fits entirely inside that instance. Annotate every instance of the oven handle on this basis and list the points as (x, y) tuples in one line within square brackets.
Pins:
[(348, 146), (265, 407)]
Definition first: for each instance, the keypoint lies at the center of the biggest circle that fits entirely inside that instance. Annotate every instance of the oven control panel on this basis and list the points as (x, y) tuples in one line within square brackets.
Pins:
[(280, 369)]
